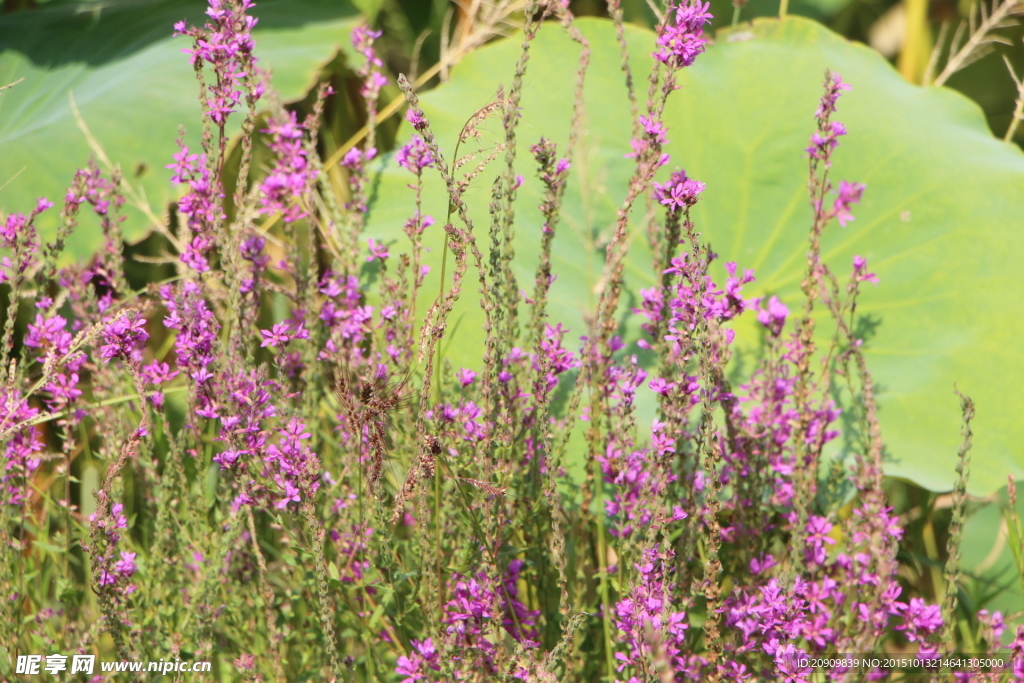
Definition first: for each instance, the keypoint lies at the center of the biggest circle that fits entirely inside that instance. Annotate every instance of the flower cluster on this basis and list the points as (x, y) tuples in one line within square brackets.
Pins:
[(477, 607), (286, 188), (646, 621), (18, 233), (201, 206), (189, 315), (296, 466), (114, 568), (122, 338), (414, 156), (22, 449), (681, 37), (679, 193), (373, 80), (225, 44), (697, 543)]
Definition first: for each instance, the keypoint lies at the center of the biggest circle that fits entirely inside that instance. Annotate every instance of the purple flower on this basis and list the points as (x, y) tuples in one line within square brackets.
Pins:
[(414, 156), (644, 616), (362, 40), (49, 334), (377, 251), (196, 340), (18, 233), (834, 86), (1017, 654), (818, 529), (123, 336), (849, 193), (126, 565), (282, 333), (158, 373), (287, 187), (225, 44), (654, 129), (860, 271), (921, 619), (297, 466), (679, 193), (773, 317), (200, 205), (787, 659), (825, 140), (682, 35), (416, 119), (424, 656)]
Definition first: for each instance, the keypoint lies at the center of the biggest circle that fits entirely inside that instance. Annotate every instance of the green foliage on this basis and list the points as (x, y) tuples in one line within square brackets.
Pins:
[(134, 89), (939, 222)]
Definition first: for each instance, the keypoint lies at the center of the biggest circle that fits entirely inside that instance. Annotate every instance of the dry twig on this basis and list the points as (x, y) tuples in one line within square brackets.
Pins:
[(981, 24)]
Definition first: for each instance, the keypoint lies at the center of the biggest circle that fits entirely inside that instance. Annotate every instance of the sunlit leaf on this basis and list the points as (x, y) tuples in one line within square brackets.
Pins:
[(940, 222), (134, 88)]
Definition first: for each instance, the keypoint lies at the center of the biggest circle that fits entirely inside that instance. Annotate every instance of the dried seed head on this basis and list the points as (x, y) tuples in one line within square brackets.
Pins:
[(368, 404)]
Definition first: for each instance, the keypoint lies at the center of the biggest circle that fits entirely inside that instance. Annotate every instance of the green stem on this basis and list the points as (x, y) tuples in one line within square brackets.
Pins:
[(440, 296), (438, 531), (439, 359), (602, 563)]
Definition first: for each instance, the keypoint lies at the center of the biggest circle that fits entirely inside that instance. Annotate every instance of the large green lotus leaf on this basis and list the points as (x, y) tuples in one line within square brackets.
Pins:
[(940, 222), (134, 89)]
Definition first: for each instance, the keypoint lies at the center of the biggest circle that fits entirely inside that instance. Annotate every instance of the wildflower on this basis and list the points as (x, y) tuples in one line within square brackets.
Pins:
[(123, 336), (414, 156), (654, 129), (860, 271), (225, 44), (126, 565), (282, 333), (200, 205), (921, 619), (682, 36), (774, 316), (377, 251), (679, 193), (834, 86), (286, 187), (849, 193), (424, 656), (49, 334), (826, 140), (18, 233), (415, 117), (362, 40)]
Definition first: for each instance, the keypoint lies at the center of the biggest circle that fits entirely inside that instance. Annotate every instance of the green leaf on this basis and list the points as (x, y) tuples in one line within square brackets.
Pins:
[(134, 89), (940, 222), (375, 619), (90, 484), (50, 548), (210, 484)]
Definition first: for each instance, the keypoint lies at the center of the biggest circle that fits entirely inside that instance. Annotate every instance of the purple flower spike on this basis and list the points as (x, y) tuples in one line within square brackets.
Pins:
[(123, 337), (414, 156), (683, 39)]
